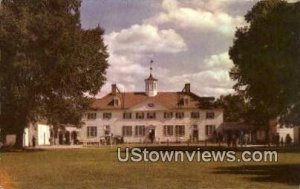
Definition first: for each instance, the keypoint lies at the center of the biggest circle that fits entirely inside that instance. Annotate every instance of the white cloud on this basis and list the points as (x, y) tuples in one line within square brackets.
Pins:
[(215, 5), (208, 78), (133, 47), (203, 17), (206, 83), (212, 78), (145, 39), (217, 62), (170, 4)]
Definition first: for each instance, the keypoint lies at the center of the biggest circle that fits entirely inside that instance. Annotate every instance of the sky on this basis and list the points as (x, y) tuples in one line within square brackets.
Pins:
[(188, 40)]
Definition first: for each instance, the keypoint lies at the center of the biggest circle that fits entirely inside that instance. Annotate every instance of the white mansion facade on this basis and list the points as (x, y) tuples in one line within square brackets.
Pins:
[(151, 116)]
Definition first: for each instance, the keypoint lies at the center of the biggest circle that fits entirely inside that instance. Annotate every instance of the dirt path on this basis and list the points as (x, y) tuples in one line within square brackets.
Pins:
[(5, 182)]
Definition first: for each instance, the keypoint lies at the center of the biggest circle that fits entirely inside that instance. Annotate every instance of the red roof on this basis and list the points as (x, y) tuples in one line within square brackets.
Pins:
[(171, 100)]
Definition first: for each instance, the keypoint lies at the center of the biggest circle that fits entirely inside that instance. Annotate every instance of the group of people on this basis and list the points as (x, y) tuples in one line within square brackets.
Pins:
[(235, 138), (232, 138), (280, 142)]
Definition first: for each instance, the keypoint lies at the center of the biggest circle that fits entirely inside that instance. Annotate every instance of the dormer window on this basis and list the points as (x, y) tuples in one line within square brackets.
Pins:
[(184, 101), (116, 102)]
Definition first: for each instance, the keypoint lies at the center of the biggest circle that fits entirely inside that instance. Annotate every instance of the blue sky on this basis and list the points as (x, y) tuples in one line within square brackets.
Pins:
[(188, 41)]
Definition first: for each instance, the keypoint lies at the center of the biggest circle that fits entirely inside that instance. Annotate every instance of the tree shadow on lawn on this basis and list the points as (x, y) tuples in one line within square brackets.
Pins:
[(217, 148), (23, 150), (288, 174)]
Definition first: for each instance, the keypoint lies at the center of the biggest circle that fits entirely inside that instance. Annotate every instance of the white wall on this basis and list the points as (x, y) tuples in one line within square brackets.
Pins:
[(26, 137), (43, 134), (117, 122), (293, 132)]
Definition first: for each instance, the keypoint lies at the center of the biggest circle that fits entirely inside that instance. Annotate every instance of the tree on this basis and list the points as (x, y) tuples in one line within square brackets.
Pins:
[(234, 107), (266, 57), (49, 64)]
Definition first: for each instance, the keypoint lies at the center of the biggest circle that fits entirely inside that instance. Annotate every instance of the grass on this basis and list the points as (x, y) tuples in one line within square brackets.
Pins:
[(98, 168)]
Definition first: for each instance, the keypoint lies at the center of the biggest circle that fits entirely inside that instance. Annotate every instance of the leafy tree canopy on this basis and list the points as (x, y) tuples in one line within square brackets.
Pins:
[(49, 63), (234, 107), (266, 57)]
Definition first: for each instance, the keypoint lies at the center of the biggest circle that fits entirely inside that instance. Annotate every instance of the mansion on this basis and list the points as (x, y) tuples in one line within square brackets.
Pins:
[(151, 116), (147, 117)]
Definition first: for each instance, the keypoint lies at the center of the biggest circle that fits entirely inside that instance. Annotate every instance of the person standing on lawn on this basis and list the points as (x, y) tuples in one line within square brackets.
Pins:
[(33, 141)]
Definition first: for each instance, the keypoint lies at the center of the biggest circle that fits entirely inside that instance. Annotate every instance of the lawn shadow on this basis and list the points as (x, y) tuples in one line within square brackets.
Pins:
[(23, 150), (288, 174), (215, 148)]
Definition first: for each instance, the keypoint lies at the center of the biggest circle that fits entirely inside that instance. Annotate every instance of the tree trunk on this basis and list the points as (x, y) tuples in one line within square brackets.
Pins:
[(19, 139), (3, 136), (268, 135)]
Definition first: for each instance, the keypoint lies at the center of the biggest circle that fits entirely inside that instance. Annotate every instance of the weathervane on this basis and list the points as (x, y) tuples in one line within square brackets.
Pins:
[(151, 62)]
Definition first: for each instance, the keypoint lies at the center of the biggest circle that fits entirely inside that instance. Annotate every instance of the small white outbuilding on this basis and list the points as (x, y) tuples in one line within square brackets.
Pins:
[(39, 132)]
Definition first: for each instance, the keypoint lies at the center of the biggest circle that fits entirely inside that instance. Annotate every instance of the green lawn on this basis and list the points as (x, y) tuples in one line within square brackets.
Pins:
[(99, 168)]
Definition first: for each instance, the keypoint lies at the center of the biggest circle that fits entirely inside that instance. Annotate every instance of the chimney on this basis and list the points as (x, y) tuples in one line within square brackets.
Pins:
[(113, 89), (187, 88)]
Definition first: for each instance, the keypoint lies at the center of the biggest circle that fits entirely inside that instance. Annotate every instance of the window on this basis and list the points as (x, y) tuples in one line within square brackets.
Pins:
[(168, 115), (140, 130), (186, 101), (210, 115), (179, 130), (151, 105), (151, 115), (195, 115), (127, 131), (179, 115), (92, 131), (209, 129), (91, 116), (107, 115), (168, 130), (126, 115), (150, 86), (116, 102), (139, 115)]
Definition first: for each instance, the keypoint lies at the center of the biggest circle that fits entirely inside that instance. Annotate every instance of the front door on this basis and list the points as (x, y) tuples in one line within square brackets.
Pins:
[(152, 135), (195, 135)]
